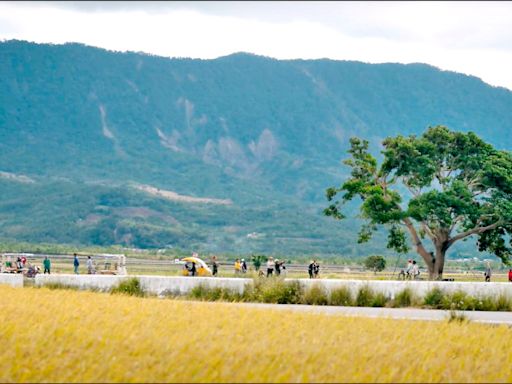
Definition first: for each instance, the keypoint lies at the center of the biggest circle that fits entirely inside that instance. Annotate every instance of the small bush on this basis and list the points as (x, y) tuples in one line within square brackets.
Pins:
[(365, 296), (316, 295), (434, 298), (503, 303), (485, 303), (202, 292), (459, 300), (341, 296), (276, 291), (130, 287), (379, 300), (404, 298)]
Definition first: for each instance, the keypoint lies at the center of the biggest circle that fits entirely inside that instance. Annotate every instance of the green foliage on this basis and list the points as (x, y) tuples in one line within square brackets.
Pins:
[(130, 286), (203, 292), (459, 300), (380, 300), (365, 296), (276, 291), (341, 296), (454, 185), (404, 298), (257, 260), (434, 298), (316, 295), (376, 263)]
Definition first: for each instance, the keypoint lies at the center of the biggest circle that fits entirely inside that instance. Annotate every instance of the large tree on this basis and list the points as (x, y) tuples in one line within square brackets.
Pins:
[(443, 186)]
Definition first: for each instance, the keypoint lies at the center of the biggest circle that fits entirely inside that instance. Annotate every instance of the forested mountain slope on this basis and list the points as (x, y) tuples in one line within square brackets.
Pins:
[(95, 131)]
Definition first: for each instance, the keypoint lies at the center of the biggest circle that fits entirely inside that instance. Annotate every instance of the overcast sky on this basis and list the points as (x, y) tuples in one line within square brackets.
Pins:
[(469, 37)]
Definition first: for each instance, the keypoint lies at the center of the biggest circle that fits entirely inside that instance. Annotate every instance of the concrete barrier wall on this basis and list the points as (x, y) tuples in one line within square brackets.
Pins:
[(162, 285), (102, 282), (154, 284), (12, 279)]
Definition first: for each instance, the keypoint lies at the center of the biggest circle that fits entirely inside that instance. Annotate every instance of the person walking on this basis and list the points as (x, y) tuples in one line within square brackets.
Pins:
[(316, 269), (90, 268), (415, 270), (311, 266), (278, 267), (244, 266), (215, 266), (47, 264), (510, 275), (408, 270), (76, 263), (238, 267), (270, 266), (487, 272)]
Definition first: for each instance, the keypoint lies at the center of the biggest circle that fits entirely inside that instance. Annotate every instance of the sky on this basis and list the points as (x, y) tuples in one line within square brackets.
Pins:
[(473, 37)]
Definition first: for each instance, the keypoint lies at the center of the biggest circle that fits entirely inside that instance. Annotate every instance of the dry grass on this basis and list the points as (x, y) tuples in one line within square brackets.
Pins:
[(76, 336)]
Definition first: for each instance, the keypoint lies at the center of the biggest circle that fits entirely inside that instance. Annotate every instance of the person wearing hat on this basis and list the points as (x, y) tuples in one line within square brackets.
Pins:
[(408, 270)]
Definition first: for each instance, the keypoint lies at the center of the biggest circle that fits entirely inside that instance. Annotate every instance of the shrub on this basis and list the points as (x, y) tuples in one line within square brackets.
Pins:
[(202, 292), (316, 295), (434, 298), (459, 300), (485, 303), (379, 300), (404, 298), (275, 291), (365, 296), (341, 296), (503, 303), (130, 287)]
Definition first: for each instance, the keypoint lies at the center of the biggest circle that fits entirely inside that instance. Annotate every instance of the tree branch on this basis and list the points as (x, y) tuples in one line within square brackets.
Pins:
[(474, 231)]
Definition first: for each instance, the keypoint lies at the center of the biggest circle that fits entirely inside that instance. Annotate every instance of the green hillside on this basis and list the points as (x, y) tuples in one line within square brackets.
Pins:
[(87, 126)]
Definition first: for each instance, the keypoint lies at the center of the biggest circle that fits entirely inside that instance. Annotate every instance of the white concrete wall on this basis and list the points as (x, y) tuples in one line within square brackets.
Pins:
[(182, 284), (12, 279), (153, 284), (102, 282)]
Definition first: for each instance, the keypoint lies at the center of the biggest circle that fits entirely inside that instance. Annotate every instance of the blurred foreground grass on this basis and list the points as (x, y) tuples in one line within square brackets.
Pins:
[(76, 336)]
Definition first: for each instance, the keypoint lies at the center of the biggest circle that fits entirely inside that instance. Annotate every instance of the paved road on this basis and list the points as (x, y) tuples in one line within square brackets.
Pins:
[(394, 313)]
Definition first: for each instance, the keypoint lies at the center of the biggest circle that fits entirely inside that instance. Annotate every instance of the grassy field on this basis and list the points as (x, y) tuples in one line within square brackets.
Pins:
[(75, 336)]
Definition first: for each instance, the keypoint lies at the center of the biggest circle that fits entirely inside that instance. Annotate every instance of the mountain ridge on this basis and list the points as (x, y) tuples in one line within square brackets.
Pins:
[(268, 134)]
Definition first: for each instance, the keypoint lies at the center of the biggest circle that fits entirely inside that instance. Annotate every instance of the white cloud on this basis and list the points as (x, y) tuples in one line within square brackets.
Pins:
[(469, 37)]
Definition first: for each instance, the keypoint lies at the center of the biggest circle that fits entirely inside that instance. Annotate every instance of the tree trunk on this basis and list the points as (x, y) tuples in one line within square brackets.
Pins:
[(437, 268)]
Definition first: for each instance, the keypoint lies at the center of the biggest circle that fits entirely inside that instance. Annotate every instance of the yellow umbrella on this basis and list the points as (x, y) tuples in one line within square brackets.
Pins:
[(200, 262)]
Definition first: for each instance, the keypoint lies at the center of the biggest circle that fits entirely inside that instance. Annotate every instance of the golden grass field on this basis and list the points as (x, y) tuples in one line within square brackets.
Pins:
[(77, 336)]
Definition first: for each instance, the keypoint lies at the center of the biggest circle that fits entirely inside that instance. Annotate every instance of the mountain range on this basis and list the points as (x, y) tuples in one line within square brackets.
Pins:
[(230, 155)]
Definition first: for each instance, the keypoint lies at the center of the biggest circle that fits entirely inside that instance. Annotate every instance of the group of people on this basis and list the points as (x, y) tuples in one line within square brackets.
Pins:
[(412, 271), (240, 266), (313, 269), (22, 265), (277, 265)]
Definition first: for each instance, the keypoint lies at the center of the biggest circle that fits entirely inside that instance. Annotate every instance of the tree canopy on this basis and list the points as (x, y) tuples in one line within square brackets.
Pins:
[(444, 186)]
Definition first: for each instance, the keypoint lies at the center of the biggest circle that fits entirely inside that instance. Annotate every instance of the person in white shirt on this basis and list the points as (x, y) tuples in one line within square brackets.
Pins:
[(415, 270), (90, 267), (270, 266)]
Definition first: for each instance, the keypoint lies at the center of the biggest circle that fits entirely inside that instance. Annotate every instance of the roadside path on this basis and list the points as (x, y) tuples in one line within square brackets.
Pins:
[(489, 317)]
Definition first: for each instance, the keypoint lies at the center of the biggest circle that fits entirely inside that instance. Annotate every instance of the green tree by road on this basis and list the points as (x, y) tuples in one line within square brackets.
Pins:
[(442, 186)]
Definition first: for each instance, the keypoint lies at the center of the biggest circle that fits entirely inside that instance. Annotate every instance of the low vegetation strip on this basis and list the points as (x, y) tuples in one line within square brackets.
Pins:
[(80, 336), (278, 291)]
